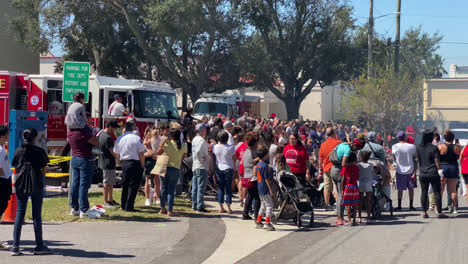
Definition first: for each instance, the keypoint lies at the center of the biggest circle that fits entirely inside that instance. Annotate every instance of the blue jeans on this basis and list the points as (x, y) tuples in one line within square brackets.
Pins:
[(199, 180), (224, 185), (36, 199), (168, 187), (82, 173)]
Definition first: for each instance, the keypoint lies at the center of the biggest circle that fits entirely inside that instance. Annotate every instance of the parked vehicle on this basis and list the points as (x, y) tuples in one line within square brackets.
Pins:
[(230, 105)]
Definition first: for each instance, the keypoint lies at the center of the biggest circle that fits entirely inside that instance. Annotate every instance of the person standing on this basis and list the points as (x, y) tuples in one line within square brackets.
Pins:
[(107, 162), (200, 168), (449, 155), (176, 151), (431, 172), (76, 114), (325, 164), (464, 166), (117, 108), (130, 151), (225, 159), (316, 140), (248, 162), (297, 158), (228, 127), (30, 162), (81, 142), (404, 154), (5, 176), (265, 181)]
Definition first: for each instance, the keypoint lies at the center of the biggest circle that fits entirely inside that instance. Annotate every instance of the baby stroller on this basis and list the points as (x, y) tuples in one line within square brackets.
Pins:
[(379, 197), (295, 200)]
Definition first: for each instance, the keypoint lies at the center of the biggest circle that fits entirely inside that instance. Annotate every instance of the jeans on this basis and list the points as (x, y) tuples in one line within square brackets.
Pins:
[(435, 183), (225, 185), (82, 173), (168, 187), (131, 174), (199, 181), (336, 176), (36, 199), (252, 197)]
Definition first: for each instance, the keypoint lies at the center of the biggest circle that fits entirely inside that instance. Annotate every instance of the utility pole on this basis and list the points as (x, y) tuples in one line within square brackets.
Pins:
[(370, 50), (397, 37), (389, 53)]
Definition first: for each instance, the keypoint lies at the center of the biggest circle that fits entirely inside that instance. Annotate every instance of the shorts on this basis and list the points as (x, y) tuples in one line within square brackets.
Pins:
[(109, 177), (465, 177), (404, 181), (327, 182), (451, 171), (365, 187), (149, 165)]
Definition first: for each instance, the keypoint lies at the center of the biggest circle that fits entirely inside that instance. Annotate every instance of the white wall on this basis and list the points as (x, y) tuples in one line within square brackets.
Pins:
[(47, 65)]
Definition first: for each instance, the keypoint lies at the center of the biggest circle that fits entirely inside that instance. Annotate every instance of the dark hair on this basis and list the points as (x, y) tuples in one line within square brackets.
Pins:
[(218, 122), (129, 126), (113, 124), (268, 137), (352, 157), (298, 139), (29, 135), (174, 134), (428, 137), (77, 97), (437, 136), (448, 135), (262, 152), (364, 155), (237, 130), (3, 130), (251, 139), (223, 137)]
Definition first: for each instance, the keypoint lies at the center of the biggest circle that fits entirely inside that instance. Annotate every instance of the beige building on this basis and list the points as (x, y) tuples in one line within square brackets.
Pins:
[(14, 56), (446, 100), (48, 62)]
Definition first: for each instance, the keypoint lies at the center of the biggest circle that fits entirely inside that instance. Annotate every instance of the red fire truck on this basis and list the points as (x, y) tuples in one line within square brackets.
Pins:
[(146, 101)]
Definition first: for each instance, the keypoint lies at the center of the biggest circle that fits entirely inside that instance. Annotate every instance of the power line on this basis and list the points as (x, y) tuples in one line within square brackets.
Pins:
[(454, 42)]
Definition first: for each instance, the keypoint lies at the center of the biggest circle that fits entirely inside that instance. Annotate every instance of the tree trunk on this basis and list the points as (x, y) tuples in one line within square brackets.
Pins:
[(184, 100), (292, 108)]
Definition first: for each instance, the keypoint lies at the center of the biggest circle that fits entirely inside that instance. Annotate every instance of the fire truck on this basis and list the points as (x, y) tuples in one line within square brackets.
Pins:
[(146, 101), (230, 105)]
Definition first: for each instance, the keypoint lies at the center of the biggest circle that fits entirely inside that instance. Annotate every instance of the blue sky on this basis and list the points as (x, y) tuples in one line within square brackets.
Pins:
[(448, 17)]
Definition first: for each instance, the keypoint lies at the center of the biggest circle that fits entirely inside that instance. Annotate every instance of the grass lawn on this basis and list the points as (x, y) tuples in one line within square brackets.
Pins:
[(57, 209)]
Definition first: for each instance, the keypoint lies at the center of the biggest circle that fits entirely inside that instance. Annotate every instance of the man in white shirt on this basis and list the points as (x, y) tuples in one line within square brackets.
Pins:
[(200, 167), (130, 151), (404, 154), (117, 108), (228, 127), (5, 176)]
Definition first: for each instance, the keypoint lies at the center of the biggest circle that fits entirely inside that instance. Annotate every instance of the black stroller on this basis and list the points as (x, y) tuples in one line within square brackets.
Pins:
[(295, 199), (379, 198)]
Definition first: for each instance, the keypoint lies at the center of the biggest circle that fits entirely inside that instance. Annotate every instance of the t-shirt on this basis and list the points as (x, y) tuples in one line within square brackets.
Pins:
[(263, 172), (224, 154), (106, 159), (175, 155), (76, 116), (129, 146), (201, 157), (4, 163), (116, 109), (350, 174), (38, 159), (426, 157), (231, 139), (248, 162), (296, 158), (78, 140), (404, 154), (240, 156), (272, 154), (343, 150), (366, 172), (325, 149), (316, 139)]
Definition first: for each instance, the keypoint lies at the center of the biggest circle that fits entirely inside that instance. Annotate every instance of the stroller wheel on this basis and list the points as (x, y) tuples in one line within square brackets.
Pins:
[(274, 219), (299, 220)]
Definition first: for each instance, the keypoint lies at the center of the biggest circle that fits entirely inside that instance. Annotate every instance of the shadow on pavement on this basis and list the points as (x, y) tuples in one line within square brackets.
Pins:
[(78, 253)]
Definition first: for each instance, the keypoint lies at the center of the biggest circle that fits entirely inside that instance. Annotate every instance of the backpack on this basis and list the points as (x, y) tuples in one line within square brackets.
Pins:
[(333, 157), (28, 181)]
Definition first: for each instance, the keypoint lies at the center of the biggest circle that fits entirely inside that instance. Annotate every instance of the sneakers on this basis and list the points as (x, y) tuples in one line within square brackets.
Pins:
[(328, 208), (246, 217), (114, 203), (44, 250), (107, 205), (270, 227), (84, 214), (156, 202), (148, 202), (4, 246), (14, 251), (259, 225), (455, 211), (74, 212)]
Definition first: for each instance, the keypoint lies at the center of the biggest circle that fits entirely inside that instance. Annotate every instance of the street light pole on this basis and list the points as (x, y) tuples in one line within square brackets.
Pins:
[(397, 37), (370, 50)]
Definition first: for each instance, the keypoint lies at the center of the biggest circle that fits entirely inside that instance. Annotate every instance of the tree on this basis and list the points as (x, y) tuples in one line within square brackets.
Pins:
[(386, 101), (300, 43)]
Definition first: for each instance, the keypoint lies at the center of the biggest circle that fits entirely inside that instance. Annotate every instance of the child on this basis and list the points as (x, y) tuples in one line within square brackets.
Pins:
[(76, 114), (264, 183), (366, 174), (349, 182)]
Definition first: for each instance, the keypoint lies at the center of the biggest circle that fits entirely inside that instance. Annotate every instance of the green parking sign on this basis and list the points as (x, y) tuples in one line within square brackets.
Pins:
[(75, 80)]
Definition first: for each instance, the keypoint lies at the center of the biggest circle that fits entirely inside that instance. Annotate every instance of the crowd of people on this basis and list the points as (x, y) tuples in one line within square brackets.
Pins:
[(242, 155)]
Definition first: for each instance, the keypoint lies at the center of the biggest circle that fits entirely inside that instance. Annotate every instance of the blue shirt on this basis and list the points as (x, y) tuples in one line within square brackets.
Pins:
[(263, 173), (343, 150), (317, 138)]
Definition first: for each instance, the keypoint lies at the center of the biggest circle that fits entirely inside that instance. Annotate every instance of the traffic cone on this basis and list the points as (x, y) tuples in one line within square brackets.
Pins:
[(10, 213)]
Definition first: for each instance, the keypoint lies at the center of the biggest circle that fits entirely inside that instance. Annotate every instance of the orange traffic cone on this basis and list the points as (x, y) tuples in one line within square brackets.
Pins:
[(10, 213)]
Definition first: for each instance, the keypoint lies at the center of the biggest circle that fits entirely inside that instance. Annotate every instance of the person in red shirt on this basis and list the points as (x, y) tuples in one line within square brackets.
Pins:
[(240, 156), (297, 158)]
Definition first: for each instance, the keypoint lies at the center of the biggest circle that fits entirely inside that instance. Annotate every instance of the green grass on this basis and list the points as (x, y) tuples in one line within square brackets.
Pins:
[(56, 209)]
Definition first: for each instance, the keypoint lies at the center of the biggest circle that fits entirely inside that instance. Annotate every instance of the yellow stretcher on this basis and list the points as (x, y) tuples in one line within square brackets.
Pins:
[(56, 160)]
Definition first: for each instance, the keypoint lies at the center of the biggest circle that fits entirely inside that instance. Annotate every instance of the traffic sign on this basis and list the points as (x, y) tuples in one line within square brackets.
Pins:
[(75, 80)]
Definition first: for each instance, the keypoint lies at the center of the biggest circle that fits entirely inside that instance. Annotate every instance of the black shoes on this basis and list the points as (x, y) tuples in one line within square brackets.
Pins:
[(203, 210), (246, 217), (43, 251)]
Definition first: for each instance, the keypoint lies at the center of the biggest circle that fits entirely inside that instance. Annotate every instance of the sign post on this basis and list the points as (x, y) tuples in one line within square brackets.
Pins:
[(75, 80)]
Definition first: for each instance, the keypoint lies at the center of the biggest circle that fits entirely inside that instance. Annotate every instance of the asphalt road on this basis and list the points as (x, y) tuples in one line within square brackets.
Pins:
[(404, 238)]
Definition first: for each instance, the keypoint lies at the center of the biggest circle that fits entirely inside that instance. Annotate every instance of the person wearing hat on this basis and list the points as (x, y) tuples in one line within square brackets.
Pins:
[(117, 108), (200, 168), (228, 127), (404, 155)]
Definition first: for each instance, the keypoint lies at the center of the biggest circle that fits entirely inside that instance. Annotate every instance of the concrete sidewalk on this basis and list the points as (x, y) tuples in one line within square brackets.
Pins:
[(99, 242)]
